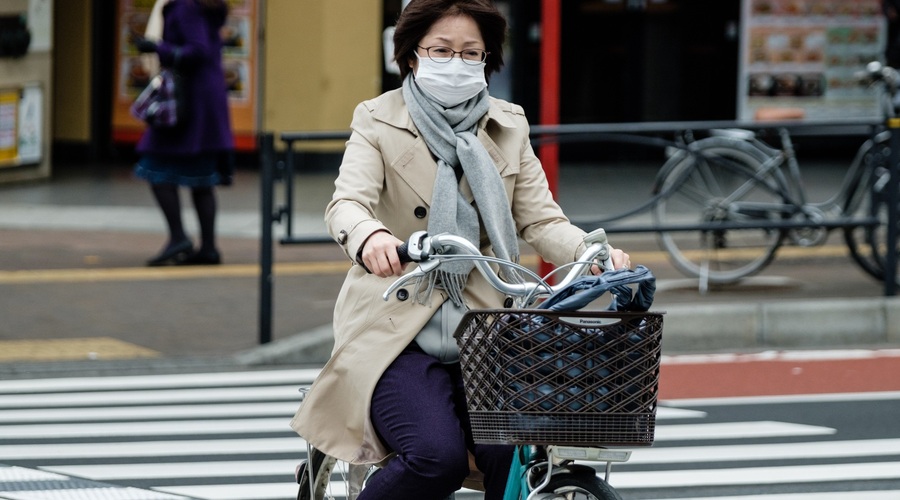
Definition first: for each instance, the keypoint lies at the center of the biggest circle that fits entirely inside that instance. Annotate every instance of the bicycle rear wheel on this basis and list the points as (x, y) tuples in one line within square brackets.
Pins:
[(868, 245), (721, 182)]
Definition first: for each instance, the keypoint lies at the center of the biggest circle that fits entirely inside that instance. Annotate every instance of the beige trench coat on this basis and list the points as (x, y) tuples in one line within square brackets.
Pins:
[(385, 183)]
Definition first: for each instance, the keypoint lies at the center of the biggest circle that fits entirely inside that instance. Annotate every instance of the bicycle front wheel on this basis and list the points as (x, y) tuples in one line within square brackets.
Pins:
[(722, 182), (580, 487), (314, 476)]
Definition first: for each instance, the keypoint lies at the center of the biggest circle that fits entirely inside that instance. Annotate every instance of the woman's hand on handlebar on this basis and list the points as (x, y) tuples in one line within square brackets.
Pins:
[(379, 254), (620, 260)]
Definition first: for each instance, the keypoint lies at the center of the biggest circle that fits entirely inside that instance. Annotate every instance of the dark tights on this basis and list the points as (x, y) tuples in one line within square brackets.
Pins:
[(204, 199)]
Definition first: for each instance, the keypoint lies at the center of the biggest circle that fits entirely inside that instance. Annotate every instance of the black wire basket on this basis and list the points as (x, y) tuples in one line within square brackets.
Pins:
[(533, 376)]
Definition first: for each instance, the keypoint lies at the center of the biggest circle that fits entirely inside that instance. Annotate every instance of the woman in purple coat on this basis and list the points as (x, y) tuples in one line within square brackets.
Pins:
[(198, 152)]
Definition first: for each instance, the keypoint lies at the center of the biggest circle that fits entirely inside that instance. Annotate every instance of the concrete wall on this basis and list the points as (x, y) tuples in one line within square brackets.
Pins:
[(321, 59)]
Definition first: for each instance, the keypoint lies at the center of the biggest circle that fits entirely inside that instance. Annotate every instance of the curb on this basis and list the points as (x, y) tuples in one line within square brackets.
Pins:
[(824, 323), (688, 329)]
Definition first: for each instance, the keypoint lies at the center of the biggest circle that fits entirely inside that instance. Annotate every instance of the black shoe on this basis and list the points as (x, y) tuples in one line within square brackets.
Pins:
[(172, 254), (204, 258)]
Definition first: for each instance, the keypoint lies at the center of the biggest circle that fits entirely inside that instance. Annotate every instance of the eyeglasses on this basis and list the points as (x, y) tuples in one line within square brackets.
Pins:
[(445, 54)]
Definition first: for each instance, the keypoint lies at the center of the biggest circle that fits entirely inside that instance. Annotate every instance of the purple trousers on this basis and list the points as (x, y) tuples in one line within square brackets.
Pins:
[(419, 412)]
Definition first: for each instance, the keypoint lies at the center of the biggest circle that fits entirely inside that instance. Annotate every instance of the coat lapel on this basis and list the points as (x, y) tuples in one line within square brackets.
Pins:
[(418, 173)]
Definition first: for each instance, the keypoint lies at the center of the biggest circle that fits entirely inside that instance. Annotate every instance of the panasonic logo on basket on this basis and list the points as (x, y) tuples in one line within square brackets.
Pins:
[(575, 320)]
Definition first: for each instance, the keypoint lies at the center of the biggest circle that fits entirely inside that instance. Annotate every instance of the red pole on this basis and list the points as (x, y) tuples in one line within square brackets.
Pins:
[(549, 112)]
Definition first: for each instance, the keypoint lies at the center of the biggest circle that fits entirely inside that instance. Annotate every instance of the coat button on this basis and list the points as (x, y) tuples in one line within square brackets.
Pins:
[(508, 303), (402, 294), (420, 212), (342, 237)]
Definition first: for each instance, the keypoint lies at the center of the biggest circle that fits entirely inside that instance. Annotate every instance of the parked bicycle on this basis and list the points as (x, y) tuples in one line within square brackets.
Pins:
[(750, 191), (564, 386)]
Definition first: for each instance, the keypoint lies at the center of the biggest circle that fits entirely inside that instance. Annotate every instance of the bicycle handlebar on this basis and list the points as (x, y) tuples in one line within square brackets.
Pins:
[(430, 251), (877, 72), (886, 76)]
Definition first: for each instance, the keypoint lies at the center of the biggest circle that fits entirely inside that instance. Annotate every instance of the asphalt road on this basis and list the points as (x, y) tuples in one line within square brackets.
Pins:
[(773, 428)]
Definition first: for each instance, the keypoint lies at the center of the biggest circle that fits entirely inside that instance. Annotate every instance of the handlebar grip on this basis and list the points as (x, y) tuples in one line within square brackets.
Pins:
[(403, 253)]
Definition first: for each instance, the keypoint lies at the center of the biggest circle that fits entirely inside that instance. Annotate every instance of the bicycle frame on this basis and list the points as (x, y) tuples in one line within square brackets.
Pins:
[(790, 186)]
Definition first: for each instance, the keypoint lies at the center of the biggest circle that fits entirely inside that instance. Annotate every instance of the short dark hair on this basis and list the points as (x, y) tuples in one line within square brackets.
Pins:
[(420, 15)]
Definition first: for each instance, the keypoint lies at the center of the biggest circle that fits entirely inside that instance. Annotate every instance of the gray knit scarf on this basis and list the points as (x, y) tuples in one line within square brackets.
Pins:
[(450, 135)]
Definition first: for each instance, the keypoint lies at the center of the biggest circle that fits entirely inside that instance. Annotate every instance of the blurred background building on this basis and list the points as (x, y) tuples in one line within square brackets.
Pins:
[(304, 64)]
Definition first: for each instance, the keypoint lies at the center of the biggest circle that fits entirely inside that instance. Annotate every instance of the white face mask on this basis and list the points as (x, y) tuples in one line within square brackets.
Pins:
[(452, 82)]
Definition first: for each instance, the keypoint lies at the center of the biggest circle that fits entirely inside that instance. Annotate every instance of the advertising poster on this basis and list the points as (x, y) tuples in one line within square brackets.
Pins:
[(239, 61), (30, 127), (21, 110), (800, 59), (9, 106)]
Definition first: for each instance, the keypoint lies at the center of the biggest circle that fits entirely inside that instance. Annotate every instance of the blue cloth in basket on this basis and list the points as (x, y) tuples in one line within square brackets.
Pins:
[(586, 289)]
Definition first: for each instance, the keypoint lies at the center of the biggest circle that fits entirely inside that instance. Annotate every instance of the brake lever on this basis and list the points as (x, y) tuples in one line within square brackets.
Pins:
[(603, 257), (423, 269)]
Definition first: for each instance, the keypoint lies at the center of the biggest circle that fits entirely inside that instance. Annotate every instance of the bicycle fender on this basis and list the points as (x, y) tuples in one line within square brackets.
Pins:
[(575, 470)]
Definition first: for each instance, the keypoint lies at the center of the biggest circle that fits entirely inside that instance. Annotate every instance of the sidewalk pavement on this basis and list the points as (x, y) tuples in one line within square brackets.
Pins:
[(76, 298)]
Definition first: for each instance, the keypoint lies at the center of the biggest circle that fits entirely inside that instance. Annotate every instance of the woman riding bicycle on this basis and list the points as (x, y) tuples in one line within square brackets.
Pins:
[(438, 154)]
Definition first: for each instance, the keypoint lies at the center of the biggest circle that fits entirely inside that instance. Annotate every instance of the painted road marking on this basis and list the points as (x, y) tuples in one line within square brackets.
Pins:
[(185, 380), (36, 276), (172, 455), (93, 348), (161, 449), (738, 430), (781, 451), (782, 474), (175, 396), (141, 412)]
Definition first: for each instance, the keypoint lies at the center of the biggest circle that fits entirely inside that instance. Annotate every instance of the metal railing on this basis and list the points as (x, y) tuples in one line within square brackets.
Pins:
[(282, 172)]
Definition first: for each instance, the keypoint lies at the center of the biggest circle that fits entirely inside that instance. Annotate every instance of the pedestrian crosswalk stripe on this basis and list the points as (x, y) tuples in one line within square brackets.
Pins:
[(781, 451), (74, 490), (211, 410), (243, 468), (789, 398), (165, 449), (738, 430), (256, 491), (135, 382), (831, 495), (173, 396), (161, 412), (153, 428), (781, 474), (666, 413), (21, 474), (670, 455), (20, 483), (735, 430)]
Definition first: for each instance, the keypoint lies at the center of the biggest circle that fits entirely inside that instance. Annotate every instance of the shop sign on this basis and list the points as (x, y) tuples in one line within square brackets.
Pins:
[(800, 59)]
